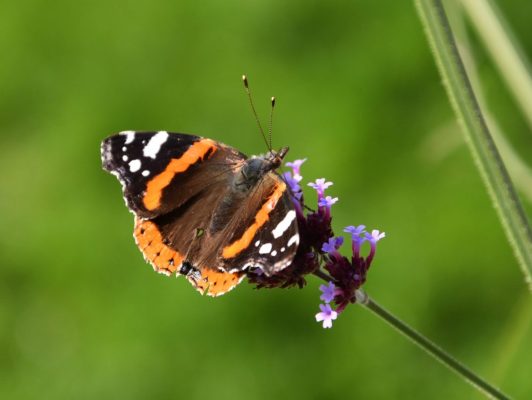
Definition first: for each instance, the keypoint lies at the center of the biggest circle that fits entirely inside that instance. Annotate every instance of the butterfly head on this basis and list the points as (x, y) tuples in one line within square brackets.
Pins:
[(256, 167), (274, 159)]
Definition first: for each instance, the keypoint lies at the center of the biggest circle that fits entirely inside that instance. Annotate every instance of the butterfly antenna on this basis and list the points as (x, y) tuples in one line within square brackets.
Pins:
[(271, 122), (246, 86)]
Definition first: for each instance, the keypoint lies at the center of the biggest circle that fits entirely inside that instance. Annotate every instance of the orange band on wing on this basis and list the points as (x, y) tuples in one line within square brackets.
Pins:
[(150, 241), (262, 216), (154, 190)]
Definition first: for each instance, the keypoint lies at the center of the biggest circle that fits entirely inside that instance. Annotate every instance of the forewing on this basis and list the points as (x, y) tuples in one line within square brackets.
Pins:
[(161, 171)]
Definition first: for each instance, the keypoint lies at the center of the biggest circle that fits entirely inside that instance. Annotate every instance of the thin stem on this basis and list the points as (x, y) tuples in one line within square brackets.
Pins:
[(425, 344), (431, 348), (320, 274), (481, 144)]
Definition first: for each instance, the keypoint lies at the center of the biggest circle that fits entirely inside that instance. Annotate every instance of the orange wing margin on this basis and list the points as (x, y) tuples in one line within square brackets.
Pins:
[(215, 283), (166, 260)]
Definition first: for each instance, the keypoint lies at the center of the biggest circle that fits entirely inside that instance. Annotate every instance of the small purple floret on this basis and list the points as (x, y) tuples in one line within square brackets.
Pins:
[(327, 201), (292, 182), (355, 230), (320, 185), (329, 291), (327, 315), (296, 168), (332, 245), (358, 236), (296, 165), (375, 236)]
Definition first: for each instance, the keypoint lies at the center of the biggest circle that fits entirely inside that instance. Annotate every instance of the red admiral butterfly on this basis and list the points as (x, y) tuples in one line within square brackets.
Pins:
[(203, 209)]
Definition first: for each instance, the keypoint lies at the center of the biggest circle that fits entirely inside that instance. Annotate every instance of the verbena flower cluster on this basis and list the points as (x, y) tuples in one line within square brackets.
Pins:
[(318, 251)]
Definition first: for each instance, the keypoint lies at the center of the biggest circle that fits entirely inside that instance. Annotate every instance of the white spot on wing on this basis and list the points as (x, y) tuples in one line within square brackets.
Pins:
[(257, 243), (283, 249), (293, 239), (274, 253), (265, 248), (124, 148), (134, 165), (284, 224), (154, 145), (145, 172), (124, 158), (130, 136)]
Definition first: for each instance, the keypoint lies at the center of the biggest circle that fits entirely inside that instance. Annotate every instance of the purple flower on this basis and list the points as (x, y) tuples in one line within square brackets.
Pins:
[(319, 248), (332, 245), (296, 165), (357, 237), (327, 201), (296, 168), (293, 184), (329, 291), (320, 185), (327, 315), (373, 238), (355, 231)]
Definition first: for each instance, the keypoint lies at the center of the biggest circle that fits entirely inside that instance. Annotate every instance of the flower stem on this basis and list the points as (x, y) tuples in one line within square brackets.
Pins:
[(478, 136), (430, 347), (319, 273)]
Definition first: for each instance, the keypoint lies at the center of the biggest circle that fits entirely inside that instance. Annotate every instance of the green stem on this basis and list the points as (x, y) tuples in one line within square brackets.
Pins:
[(488, 160), (430, 347)]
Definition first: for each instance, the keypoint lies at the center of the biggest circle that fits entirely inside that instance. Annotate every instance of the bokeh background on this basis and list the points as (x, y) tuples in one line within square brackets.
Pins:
[(81, 314)]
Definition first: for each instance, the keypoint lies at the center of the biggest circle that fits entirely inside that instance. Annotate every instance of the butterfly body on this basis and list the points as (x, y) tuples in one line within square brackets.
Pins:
[(203, 209)]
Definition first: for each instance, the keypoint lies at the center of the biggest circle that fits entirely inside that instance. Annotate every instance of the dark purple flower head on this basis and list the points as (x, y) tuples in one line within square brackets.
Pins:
[(319, 248)]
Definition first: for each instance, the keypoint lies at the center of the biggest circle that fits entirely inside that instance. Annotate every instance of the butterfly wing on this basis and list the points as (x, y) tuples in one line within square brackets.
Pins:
[(266, 238), (166, 255), (170, 182), (161, 171)]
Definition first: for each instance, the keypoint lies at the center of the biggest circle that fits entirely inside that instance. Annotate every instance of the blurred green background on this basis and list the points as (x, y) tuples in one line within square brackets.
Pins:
[(81, 314)]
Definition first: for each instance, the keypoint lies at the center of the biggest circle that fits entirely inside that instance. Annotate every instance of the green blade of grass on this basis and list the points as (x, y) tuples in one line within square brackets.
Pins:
[(481, 144), (504, 49), (519, 170)]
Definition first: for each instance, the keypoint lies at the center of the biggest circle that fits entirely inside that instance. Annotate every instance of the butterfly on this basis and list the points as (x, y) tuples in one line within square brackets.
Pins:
[(203, 209)]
